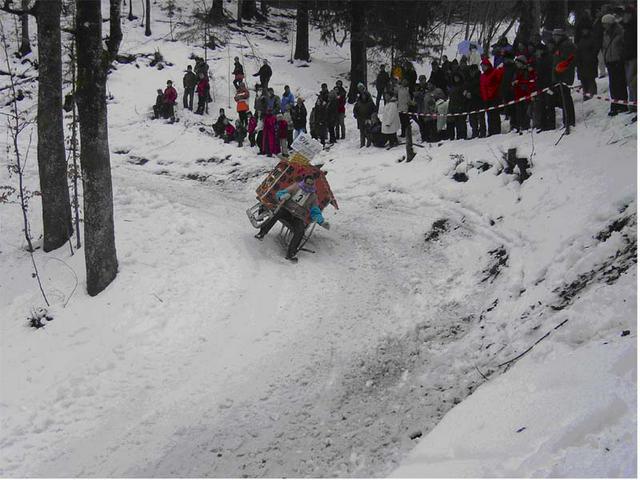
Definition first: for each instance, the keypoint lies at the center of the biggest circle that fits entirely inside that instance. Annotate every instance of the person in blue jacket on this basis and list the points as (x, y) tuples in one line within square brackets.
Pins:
[(296, 201), (287, 99)]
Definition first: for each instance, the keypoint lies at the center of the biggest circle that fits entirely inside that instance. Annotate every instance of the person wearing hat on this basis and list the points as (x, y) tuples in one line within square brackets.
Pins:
[(158, 107), (382, 82), (564, 72), (298, 202), (299, 118), (189, 82), (202, 89), (264, 73), (499, 49), (490, 80), (506, 87), (613, 49), (390, 119), (438, 76), (170, 97), (474, 55), (524, 84), (242, 102), (238, 72), (362, 110)]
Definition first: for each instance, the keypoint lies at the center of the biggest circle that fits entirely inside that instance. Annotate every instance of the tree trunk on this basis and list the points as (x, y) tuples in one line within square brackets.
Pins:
[(249, 9), (52, 164), (131, 16), (555, 14), (240, 2), (302, 32), (264, 8), (100, 250), (216, 12), (358, 47), (25, 45), (115, 31), (466, 30), (147, 23)]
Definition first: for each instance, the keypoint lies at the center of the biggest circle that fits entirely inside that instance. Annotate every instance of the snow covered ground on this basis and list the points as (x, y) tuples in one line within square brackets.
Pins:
[(378, 355)]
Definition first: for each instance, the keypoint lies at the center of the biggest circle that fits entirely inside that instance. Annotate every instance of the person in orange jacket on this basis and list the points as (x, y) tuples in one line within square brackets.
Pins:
[(242, 102)]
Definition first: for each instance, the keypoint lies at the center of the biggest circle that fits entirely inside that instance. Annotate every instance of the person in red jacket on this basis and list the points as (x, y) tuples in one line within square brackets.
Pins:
[(490, 93), (169, 99), (524, 84), (229, 132), (269, 139), (203, 93)]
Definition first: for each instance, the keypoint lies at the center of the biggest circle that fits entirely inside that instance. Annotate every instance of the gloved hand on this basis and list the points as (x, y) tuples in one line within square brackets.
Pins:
[(326, 225), (285, 197)]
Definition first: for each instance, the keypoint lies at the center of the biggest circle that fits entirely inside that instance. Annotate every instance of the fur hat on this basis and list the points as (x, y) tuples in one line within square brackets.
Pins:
[(608, 19)]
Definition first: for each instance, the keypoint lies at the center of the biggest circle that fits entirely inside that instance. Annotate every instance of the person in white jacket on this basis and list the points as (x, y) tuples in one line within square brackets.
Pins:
[(474, 55), (390, 120)]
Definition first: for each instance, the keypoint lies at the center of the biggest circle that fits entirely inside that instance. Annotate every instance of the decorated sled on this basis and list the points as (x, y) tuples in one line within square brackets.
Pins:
[(283, 175)]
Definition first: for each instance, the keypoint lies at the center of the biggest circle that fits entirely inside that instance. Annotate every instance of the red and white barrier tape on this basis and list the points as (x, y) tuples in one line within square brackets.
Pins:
[(606, 99), (513, 102)]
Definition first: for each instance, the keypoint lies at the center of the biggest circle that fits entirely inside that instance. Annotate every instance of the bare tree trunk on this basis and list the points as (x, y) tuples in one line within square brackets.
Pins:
[(147, 23), (555, 14), (115, 31), (264, 8), (240, 2), (216, 12), (302, 32), (358, 47), (466, 30), (249, 9), (131, 17), (100, 250), (25, 45), (52, 164)]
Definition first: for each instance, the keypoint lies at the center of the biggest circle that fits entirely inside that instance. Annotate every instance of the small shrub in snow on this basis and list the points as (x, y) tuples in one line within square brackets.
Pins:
[(39, 317)]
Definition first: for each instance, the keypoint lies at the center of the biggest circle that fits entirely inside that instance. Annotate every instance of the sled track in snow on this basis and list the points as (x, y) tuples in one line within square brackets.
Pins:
[(370, 369)]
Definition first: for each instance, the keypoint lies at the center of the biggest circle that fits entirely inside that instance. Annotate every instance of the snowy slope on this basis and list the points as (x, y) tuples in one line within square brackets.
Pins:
[(212, 356)]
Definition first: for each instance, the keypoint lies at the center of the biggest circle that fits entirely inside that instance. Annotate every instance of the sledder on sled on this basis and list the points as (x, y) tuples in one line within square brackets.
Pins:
[(294, 194)]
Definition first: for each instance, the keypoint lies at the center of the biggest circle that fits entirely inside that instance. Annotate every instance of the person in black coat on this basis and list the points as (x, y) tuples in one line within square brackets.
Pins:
[(630, 52), (320, 119), (474, 103), (299, 117), (189, 82), (382, 82), (332, 115), (438, 77), (238, 72), (587, 61), (411, 76), (265, 74), (457, 126), (506, 87), (544, 116), (362, 111)]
